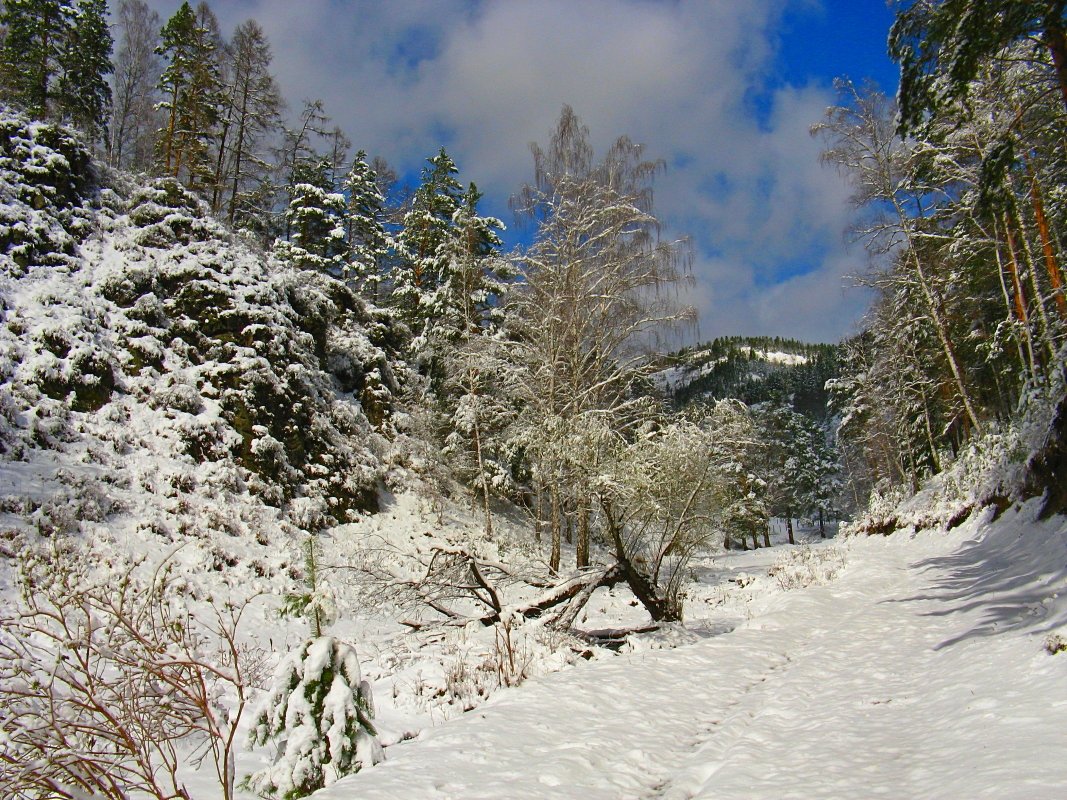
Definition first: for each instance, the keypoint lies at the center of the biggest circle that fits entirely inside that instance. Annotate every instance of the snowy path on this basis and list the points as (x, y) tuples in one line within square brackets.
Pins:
[(920, 672)]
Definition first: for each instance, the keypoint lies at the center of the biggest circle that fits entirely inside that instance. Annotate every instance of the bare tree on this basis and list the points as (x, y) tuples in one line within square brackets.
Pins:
[(251, 116), (134, 119), (109, 682)]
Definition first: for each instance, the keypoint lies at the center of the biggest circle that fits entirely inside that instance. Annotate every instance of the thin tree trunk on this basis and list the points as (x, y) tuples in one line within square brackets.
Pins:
[(238, 153), (789, 526), (1051, 266), (1016, 303), (484, 478), (582, 559), (937, 317), (1039, 299), (554, 555)]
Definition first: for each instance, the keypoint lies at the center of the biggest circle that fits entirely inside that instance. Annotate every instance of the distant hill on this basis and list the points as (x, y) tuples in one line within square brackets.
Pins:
[(753, 369)]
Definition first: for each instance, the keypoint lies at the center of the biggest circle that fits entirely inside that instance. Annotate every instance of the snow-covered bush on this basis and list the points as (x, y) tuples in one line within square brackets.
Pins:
[(807, 566), (45, 177), (318, 714)]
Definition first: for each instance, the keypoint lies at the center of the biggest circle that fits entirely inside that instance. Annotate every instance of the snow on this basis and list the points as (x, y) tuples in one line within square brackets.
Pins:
[(919, 671)]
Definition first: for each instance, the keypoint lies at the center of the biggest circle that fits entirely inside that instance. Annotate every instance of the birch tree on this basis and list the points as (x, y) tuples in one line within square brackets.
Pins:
[(599, 285), (134, 119)]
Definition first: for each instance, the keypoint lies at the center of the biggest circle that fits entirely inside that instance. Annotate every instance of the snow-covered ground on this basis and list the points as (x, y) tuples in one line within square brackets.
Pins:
[(921, 669)]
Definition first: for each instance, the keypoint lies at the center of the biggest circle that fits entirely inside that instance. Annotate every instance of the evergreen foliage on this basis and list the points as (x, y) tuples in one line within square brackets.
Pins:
[(319, 715), (316, 222), (370, 242), (190, 87), (743, 368), (84, 94), (55, 58)]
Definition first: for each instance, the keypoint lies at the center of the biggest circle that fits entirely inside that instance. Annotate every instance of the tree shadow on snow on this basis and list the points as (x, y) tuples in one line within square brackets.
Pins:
[(1012, 578)]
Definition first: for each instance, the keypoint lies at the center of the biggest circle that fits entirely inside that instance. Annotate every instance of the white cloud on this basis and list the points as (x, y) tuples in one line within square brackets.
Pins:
[(488, 78)]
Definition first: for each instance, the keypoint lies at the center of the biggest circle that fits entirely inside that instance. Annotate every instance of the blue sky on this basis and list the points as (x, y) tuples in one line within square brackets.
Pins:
[(724, 91)]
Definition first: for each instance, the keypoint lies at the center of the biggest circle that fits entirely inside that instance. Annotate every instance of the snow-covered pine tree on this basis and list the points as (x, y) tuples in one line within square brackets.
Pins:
[(942, 48), (367, 236), (474, 278), (35, 36), (84, 95), (316, 222), (426, 227), (318, 714)]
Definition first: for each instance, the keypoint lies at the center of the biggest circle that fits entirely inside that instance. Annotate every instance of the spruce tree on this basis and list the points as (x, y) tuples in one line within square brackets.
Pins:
[(367, 237), (319, 713), (36, 34), (316, 222), (84, 93), (426, 227)]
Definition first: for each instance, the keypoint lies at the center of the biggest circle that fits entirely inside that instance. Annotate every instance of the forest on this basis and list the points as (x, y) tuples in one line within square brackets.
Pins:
[(266, 334)]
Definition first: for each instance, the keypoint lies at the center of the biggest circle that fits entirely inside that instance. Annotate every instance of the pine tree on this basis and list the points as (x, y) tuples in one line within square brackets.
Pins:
[(316, 222), (370, 243), (426, 227), (190, 86), (942, 47), (319, 713), (36, 35), (84, 92)]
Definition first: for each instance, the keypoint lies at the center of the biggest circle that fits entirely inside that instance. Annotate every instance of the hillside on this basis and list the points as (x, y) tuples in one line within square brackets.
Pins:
[(164, 381), (752, 369)]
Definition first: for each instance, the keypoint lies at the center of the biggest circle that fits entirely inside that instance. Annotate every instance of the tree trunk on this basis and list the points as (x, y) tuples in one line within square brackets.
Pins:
[(582, 560), (1056, 40), (1020, 301), (661, 609), (1051, 266), (557, 533), (937, 317), (822, 525), (484, 478), (1039, 299), (789, 527)]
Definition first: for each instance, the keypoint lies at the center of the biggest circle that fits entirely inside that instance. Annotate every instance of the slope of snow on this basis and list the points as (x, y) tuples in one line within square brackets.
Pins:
[(921, 671)]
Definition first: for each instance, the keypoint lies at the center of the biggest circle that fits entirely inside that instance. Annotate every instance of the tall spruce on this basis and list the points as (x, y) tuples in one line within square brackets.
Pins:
[(426, 227), (84, 94), (316, 222), (367, 235), (36, 35)]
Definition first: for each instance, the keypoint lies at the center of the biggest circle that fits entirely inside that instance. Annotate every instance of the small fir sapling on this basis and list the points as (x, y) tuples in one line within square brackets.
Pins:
[(319, 715)]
